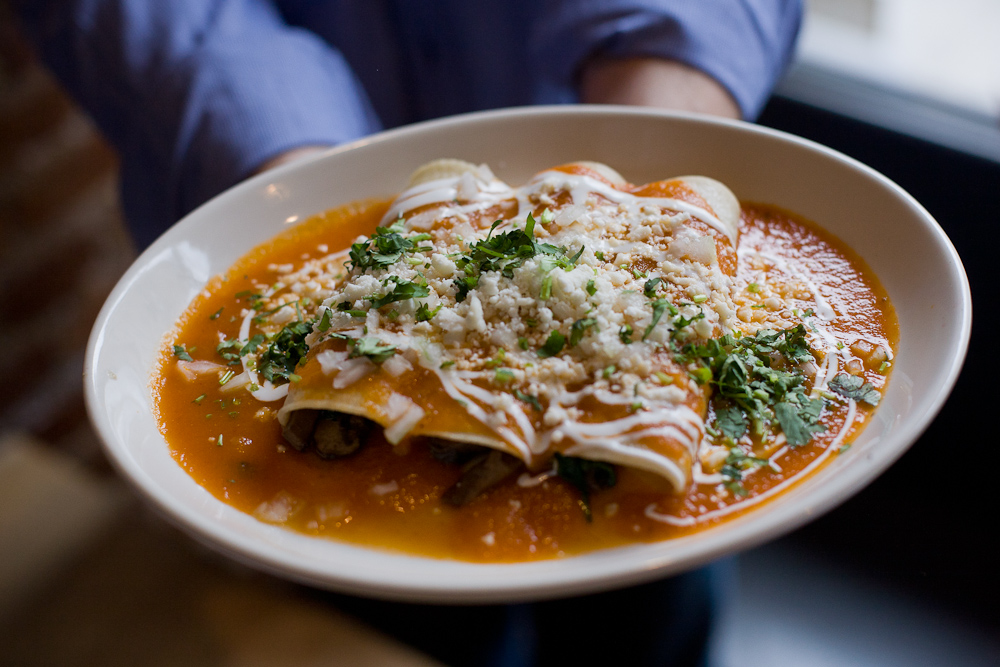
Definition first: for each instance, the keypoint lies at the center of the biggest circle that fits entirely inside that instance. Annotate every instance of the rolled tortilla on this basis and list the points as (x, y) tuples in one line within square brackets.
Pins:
[(559, 345)]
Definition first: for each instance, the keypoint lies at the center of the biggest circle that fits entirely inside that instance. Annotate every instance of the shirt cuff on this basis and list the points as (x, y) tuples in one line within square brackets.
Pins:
[(743, 45)]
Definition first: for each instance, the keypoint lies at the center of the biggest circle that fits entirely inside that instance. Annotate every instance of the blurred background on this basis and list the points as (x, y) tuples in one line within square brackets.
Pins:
[(902, 574)]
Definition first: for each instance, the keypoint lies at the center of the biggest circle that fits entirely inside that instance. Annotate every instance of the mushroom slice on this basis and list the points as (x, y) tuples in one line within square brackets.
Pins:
[(483, 473), (339, 434), (299, 427), (454, 453)]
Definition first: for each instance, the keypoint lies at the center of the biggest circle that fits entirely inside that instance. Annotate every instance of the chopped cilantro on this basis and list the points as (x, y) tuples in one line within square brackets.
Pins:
[(591, 287), (855, 388), (659, 305), (182, 353), (402, 290), (503, 375), (384, 248), (498, 359), (368, 346), (664, 378), (553, 345), (252, 345), (214, 316), (546, 292), (680, 322), (324, 322), (579, 328), (758, 378), (649, 289), (731, 422), (625, 333), (506, 252), (424, 313), (798, 424), (285, 351), (586, 476), (529, 399)]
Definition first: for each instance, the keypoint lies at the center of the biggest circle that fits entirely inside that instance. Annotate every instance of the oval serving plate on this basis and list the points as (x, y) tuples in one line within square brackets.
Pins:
[(899, 240)]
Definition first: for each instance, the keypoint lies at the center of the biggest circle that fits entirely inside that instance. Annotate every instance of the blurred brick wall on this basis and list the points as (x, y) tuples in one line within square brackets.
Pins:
[(62, 248)]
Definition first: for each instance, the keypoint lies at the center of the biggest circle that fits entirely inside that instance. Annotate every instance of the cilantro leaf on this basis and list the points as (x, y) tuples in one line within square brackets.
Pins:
[(649, 289), (586, 476), (181, 353), (506, 252), (855, 388), (553, 345), (796, 426), (659, 305), (758, 382), (252, 345), (503, 375), (424, 313), (368, 346), (579, 328), (528, 398), (285, 351), (731, 422), (373, 348), (384, 248), (324, 323), (403, 290)]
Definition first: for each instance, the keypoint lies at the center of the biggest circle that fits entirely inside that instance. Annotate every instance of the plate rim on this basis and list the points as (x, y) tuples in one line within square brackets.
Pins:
[(746, 531)]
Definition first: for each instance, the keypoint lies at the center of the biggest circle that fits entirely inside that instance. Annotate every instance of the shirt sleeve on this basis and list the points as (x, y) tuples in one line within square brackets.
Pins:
[(196, 93), (743, 44)]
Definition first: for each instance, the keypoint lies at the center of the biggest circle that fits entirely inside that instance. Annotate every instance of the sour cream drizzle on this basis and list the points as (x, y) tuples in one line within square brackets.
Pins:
[(618, 441), (652, 513)]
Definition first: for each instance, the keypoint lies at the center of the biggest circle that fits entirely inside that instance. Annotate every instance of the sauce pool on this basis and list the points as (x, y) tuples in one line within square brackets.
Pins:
[(389, 497)]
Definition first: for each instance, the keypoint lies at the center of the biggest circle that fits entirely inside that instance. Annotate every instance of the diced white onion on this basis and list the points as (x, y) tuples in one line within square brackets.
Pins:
[(269, 392), (352, 371), (396, 431), (384, 489), (396, 406), (192, 369), (237, 382), (396, 365), (331, 360)]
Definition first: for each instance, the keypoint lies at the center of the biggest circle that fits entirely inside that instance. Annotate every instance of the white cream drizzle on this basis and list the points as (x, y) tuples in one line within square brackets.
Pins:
[(267, 391), (581, 187), (835, 444)]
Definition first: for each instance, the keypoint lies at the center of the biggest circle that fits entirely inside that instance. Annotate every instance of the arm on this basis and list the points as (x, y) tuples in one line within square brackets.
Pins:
[(699, 55), (196, 93), (654, 82)]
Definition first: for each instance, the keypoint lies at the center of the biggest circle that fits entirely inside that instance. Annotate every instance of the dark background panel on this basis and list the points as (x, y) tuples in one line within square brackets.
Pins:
[(928, 523)]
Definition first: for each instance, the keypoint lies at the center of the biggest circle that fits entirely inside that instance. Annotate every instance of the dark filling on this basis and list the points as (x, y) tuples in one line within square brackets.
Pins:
[(334, 435)]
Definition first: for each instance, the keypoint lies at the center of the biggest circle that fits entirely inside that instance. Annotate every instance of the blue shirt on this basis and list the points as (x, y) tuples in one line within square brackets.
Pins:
[(195, 94)]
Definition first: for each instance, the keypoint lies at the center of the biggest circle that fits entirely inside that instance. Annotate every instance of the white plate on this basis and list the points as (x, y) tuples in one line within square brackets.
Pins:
[(896, 236)]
